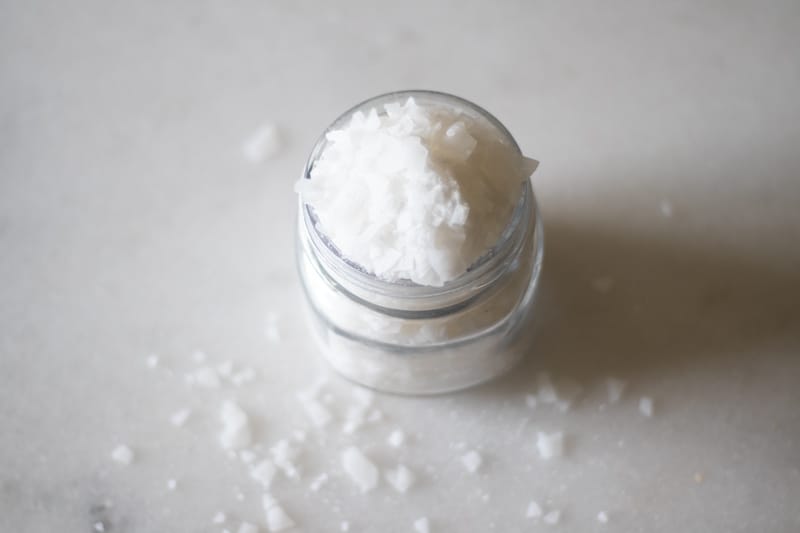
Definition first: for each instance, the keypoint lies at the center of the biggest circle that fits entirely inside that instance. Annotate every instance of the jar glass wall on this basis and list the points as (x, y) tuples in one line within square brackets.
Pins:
[(407, 338)]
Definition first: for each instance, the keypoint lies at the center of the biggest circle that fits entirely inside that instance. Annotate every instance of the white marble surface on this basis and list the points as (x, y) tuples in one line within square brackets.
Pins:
[(130, 223)]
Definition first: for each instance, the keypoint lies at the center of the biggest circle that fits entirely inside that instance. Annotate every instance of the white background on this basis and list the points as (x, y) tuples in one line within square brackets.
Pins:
[(131, 223)]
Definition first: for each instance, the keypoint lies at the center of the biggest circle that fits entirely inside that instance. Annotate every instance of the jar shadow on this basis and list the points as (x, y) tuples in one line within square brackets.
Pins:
[(631, 303)]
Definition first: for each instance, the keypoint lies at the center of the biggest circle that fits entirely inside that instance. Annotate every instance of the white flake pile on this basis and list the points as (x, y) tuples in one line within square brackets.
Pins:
[(415, 191)]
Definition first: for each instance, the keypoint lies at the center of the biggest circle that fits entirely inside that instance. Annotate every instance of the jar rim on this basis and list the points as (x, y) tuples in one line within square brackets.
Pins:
[(409, 298)]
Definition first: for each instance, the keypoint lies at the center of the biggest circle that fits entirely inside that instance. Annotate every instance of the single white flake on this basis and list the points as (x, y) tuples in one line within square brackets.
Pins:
[(152, 361), (400, 478), (550, 444), (122, 454), (360, 469), (172, 484), (180, 417), (247, 527), (199, 357), (205, 377), (602, 517), (344, 526), (284, 455), (264, 472), (265, 143), (472, 461), (99, 526), (646, 406), (219, 518), (552, 517), (397, 438), (534, 510), (277, 518), (318, 414), (236, 432), (422, 525), (318, 482)]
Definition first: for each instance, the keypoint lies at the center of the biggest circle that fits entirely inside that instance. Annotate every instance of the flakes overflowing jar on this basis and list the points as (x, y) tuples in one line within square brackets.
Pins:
[(419, 244)]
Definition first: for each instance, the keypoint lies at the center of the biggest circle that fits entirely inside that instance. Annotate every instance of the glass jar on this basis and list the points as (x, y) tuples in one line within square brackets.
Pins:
[(407, 338)]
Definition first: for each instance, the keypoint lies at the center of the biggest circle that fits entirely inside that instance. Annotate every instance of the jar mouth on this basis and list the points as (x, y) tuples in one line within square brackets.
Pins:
[(403, 296)]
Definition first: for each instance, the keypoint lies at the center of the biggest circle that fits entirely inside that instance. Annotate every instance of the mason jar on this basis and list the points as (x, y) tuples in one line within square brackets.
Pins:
[(407, 338)]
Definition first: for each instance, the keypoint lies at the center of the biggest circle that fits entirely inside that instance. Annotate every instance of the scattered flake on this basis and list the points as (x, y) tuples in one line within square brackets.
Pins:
[(199, 357), (472, 461), (265, 143), (277, 518), (616, 388), (284, 454), (247, 456), (318, 414), (204, 377), (400, 478), (180, 417), (665, 206), (318, 482), (531, 401), (602, 517), (246, 375), (397, 438), (646, 406), (422, 525), (360, 469), (172, 484), (219, 518), (247, 527), (552, 517), (151, 362), (344, 526), (534, 510), (603, 284), (550, 444), (122, 454), (225, 369), (264, 472), (99, 526), (236, 432), (271, 330)]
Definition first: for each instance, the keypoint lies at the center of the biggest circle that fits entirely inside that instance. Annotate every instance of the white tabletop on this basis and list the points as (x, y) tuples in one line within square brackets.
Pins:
[(131, 224)]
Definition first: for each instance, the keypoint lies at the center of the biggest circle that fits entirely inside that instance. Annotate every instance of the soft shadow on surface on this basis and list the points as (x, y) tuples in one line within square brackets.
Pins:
[(671, 304)]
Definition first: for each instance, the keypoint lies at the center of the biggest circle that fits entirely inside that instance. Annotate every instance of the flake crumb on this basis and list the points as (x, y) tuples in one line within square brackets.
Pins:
[(646, 406), (247, 527), (698, 477), (318, 482), (99, 526), (534, 510), (271, 330), (284, 456), (616, 388), (602, 517), (199, 356), (205, 376), (472, 461), (180, 417), (552, 517), (360, 469), (152, 361), (397, 438), (219, 518), (277, 518), (422, 525), (550, 445), (265, 143), (400, 478), (236, 432), (264, 472), (172, 484), (603, 284), (122, 454), (344, 526)]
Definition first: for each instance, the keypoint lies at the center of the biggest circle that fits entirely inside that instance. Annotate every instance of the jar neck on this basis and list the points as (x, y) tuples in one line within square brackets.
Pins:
[(405, 299)]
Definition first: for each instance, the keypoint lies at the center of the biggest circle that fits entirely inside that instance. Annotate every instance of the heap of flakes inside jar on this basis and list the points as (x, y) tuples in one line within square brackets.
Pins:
[(415, 192)]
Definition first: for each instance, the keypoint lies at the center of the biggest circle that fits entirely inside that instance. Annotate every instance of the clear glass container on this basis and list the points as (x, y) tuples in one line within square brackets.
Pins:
[(412, 339)]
